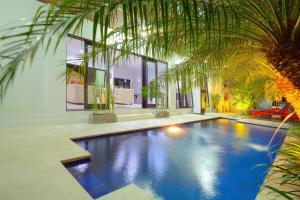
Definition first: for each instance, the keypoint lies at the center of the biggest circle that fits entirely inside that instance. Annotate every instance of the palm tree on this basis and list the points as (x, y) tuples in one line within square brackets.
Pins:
[(211, 34), (162, 27)]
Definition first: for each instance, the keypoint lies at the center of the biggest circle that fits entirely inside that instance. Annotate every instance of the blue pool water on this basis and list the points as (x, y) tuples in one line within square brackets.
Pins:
[(213, 159)]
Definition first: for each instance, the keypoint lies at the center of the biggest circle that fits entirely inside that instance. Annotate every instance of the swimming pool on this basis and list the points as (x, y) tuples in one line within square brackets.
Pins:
[(212, 159)]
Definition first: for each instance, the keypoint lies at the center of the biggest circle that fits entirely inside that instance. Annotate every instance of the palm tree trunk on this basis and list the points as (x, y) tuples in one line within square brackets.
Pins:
[(286, 59), (291, 92)]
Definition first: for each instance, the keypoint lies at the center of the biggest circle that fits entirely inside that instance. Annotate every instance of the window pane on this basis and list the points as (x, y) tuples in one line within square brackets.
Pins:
[(127, 74), (100, 60), (151, 76), (161, 70), (75, 51), (75, 74), (183, 99)]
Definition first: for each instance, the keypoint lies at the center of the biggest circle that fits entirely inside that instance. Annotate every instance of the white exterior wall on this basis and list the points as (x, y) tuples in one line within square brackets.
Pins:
[(197, 100), (37, 96)]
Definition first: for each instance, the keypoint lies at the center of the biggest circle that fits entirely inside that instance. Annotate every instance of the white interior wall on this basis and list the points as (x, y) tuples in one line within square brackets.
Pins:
[(131, 69)]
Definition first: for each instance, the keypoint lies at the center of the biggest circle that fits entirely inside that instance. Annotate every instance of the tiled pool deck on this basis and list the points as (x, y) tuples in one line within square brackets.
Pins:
[(30, 157)]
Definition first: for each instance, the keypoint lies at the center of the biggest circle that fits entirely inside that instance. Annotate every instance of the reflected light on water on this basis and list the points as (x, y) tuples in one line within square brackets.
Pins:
[(257, 147), (119, 161), (206, 168), (127, 161), (132, 166), (223, 126), (157, 159), (224, 122), (175, 132), (81, 168), (241, 131)]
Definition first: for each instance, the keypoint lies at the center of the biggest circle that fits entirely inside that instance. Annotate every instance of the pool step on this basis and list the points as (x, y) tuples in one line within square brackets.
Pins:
[(134, 117)]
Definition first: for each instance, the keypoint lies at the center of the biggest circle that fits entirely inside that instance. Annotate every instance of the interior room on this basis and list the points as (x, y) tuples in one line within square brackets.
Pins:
[(74, 75), (127, 76)]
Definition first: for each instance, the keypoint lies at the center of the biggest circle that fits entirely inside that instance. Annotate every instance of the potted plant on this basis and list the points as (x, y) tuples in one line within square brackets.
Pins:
[(105, 111), (161, 108), (155, 90)]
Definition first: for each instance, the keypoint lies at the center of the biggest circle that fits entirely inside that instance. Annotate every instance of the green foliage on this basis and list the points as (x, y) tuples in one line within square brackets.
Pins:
[(203, 31), (155, 89), (247, 94), (96, 94), (80, 69), (288, 168), (151, 90), (294, 130), (189, 28), (215, 98), (145, 92)]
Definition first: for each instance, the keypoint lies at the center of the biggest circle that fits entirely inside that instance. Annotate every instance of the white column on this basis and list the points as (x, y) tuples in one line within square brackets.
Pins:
[(197, 100), (172, 96)]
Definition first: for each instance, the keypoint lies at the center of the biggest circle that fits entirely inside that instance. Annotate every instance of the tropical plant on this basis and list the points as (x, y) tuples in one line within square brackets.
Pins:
[(156, 90), (201, 30), (295, 130), (97, 93), (100, 98), (247, 94), (215, 98), (287, 168), (109, 93), (190, 28)]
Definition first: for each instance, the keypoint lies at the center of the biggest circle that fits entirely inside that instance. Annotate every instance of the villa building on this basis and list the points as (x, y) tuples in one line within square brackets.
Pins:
[(40, 95), (149, 100)]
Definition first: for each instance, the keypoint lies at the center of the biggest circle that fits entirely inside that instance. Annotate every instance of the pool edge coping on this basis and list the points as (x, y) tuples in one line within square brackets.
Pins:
[(114, 133), (138, 129)]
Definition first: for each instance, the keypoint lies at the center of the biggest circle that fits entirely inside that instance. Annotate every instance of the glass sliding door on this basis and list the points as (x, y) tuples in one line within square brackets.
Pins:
[(87, 80), (152, 71), (161, 70), (95, 82), (84, 78), (75, 74), (127, 76), (184, 95), (96, 76), (150, 76)]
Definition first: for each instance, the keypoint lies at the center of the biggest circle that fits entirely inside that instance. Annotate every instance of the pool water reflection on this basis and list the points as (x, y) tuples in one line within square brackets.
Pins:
[(204, 160)]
